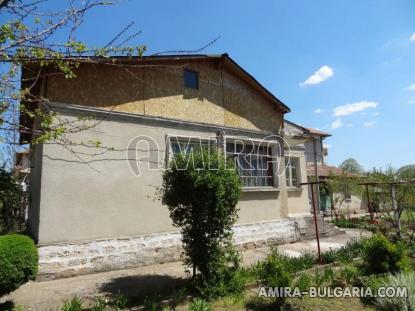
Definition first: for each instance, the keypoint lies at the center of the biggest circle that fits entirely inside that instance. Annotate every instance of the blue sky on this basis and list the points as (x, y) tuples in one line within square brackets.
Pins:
[(363, 47)]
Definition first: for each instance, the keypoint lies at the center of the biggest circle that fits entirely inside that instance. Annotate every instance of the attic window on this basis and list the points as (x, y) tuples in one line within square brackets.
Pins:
[(191, 79)]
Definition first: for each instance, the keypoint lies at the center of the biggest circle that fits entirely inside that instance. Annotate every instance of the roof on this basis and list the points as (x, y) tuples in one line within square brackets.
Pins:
[(308, 130), (317, 132), (326, 171), (224, 59)]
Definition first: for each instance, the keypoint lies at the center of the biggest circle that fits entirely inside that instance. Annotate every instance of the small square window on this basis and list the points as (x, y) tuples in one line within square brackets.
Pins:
[(191, 79)]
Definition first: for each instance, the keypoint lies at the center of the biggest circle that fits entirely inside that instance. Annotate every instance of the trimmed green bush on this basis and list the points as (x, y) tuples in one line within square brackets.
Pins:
[(18, 261), (201, 191), (382, 256)]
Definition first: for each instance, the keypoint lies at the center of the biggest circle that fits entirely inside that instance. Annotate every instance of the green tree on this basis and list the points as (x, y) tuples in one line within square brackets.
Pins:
[(201, 191), (42, 39), (352, 166), (406, 172), (11, 201)]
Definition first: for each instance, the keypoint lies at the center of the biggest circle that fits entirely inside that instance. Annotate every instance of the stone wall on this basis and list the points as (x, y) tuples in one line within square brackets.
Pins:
[(64, 260)]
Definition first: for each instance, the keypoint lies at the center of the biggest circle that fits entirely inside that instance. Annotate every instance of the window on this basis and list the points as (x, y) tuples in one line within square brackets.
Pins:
[(191, 79), (254, 163), (291, 172), (186, 145)]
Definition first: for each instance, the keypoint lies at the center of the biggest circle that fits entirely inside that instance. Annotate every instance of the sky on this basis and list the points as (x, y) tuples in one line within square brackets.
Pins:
[(346, 67)]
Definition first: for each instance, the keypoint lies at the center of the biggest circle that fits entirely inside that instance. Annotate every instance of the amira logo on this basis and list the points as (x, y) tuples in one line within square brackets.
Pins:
[(258, 156)]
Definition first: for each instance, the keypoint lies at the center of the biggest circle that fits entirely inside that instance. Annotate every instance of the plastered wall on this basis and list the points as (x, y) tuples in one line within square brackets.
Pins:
[(98, 196)]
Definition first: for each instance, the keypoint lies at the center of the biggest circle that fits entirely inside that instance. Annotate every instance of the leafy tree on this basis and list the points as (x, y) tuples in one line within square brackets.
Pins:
[(352, 166), (201, 191), (11, 200), (390, 189), (406, 172), (342, 187), (34, 33)]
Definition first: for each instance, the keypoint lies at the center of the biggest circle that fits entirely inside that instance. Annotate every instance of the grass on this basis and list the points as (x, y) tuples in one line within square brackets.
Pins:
[(326, 304)]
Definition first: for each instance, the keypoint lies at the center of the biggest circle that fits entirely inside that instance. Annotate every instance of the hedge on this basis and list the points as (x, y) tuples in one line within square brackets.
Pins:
[(18, 261)]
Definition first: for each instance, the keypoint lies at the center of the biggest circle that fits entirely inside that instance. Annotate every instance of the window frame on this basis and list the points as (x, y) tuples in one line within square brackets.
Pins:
[(256, 142), (193, 72), (289, 184), (184, 138)]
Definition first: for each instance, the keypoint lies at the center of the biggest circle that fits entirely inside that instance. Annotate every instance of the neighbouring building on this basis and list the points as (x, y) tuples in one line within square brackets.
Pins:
[(95, 206)]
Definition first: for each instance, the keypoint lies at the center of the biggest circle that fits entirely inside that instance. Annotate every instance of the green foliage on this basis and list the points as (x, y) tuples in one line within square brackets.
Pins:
[(120, 301), (151, 304), (18, 261), (293, 264), (199, 305), (273, 271), (343, 187), (99, 305), (201, 191), (358, 222), (278, 270), (400, 280), (75, 304), (350, 165), (382, 256), (353, 249), (325, 276), (11, 198), (303, 282), (349, 274), (374, 282)]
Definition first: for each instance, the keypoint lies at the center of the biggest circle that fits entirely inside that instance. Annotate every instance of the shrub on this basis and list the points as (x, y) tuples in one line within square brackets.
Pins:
[(303, 262), (199, 305), (353, 249), (382, 256), (329, 256), (303, 282), (400, 280), (273, 272), (295, 264), (201, 191), (374, 282), (18, 261), (323, 277)]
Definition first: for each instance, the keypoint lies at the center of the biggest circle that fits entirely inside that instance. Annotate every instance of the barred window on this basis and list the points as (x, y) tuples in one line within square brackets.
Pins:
[(254, 163), (186, 145), (291, 172)]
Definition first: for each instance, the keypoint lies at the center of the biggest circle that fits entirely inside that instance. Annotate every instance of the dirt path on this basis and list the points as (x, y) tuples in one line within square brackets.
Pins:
[(48, 295)]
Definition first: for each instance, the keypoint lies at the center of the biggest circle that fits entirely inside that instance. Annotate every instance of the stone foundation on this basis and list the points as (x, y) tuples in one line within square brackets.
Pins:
[(69, 259)]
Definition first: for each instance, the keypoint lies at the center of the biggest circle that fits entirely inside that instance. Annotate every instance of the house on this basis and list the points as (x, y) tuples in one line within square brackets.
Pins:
[(317, 168), (94, 200)]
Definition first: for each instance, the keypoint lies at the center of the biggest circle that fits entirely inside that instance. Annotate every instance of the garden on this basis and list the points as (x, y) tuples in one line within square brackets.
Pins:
[(202, 204)]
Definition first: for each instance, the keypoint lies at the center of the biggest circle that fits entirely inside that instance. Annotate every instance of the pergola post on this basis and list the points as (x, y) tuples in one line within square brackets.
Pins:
[(311, 184), (395, 210)]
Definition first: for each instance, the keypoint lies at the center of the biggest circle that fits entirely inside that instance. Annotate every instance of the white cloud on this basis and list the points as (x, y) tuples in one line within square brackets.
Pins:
[(318, 110), (336, 124), (369, 123), (375, 113), (412, 37), (411, 87), (319, 76), (352, 108)]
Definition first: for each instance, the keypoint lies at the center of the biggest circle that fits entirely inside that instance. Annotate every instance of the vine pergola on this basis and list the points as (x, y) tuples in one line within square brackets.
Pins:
[(392, 186)]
